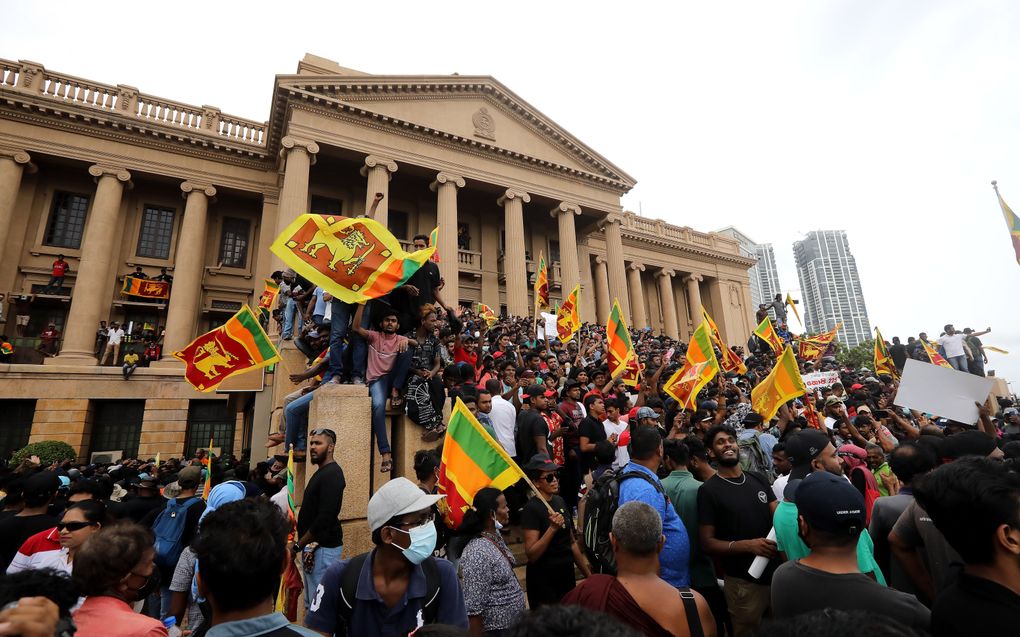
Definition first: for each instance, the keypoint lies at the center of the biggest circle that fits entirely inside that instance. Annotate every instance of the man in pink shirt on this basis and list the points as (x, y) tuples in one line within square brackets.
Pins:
[(383, 347)]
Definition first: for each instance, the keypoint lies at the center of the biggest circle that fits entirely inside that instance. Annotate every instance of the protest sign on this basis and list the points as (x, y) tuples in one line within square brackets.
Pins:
[(817, 380), (942, 392)]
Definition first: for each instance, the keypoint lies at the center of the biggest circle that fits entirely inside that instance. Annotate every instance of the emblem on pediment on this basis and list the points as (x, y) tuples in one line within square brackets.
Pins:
[(485, 126)]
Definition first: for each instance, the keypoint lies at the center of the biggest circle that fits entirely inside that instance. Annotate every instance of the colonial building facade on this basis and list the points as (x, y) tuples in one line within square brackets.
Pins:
[(113, 179)]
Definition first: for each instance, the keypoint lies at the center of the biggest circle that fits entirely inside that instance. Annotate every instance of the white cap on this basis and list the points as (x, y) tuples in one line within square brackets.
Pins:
[(397, 497)]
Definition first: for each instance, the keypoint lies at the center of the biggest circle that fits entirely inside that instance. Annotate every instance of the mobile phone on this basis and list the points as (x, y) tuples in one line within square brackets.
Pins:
[(669, 353), (881, 413)]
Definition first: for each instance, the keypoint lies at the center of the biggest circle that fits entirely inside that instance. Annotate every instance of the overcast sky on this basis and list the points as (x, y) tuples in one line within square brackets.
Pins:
[(886, 119)]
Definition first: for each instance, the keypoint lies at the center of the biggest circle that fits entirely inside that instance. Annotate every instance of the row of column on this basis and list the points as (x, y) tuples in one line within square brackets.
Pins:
[(300, 156)]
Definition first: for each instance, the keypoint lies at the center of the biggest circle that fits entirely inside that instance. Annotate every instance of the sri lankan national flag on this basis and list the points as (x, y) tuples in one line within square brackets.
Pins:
[(542, 284), (810, 413), (767, 333), (1011, 222), (811, 348), (239, 345), (782, 384), (687, 381), (146, 288), (434, 243), (883, 361), (208, 473), (486, 313), (618, 343), (730, 361), (568, 319), (934, 356), (700, 348), (355, 260), (268, 297), (471, 461), (290, 581)]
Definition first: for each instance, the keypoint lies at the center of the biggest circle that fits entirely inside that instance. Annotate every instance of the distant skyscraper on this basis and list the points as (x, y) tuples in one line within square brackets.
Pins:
[(763, 275), (830, 286)]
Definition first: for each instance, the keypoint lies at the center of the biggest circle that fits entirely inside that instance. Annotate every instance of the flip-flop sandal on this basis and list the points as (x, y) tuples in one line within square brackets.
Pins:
[(396, 402), (386, 466)]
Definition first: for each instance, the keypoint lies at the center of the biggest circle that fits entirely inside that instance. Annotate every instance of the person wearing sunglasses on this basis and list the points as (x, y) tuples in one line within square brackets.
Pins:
[(79, 522), (549, 539)]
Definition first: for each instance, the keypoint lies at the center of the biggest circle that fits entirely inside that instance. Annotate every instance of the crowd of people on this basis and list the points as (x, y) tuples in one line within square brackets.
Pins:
[(639, 515)]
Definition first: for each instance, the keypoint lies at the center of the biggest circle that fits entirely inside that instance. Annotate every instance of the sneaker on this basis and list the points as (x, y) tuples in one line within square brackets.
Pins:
[(357, 380)]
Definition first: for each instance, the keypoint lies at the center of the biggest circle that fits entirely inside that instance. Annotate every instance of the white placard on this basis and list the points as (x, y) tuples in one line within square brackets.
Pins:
[(550, 326), (941, 391), (817, 380)]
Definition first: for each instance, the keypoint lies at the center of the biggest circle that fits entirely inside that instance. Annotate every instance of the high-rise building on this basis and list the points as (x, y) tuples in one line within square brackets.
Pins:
[(763, 274), (831, 287)]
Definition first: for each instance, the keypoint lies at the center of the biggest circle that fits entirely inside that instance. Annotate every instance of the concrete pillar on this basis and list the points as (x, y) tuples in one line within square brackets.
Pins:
[(637, 296), (445, 186), (186, 293), (514, 264), (617, 269), (90, 300), (570, 273), (489, 247), (588, 313), (379, 171), (300, 156), (694, 298), (603, 303), (12, 165), (665, 280)]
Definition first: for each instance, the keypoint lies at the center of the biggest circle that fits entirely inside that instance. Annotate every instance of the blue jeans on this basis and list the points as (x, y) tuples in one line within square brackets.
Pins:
[(379, 390), (324, 557), (295, 415), (339, 325), (977, 366), (54, 282), (288, 318), (959, 363)]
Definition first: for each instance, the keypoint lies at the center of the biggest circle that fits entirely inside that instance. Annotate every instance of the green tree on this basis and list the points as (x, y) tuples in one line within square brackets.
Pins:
[(856, 357)]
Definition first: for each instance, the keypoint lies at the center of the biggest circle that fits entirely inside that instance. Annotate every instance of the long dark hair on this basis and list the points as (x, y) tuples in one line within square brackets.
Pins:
[(477, 517)]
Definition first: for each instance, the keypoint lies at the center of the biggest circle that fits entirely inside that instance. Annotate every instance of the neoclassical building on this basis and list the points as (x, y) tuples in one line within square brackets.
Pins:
[(113, 178)]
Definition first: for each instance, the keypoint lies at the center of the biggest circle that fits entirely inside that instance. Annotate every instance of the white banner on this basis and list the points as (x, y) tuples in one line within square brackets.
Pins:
[(818, 380), (941, 391)]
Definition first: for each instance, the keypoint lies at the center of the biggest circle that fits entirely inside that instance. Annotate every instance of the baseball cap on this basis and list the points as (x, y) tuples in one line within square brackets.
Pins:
[(42, 483), (753, 418), (534, 390), (856, 386), (541, 462), (646, 412), (148, 482), (802, 447), (191, 473), (832, 400), (830, 503), (871, 379), (550, 393), (864, 408), (395, 498), (1009, 411)]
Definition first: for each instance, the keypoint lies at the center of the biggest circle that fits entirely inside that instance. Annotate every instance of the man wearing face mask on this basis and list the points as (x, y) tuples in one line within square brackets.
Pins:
[(398, 586)]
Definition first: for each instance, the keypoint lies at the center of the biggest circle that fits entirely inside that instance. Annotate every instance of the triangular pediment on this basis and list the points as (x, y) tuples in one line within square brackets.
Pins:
[(478, 111)]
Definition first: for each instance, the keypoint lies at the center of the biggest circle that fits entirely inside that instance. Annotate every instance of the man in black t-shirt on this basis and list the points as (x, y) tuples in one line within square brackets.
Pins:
[(898, 352), (591, 430), (422, 287), (532, 431), (734, 519), (320, 538), (40, 488)]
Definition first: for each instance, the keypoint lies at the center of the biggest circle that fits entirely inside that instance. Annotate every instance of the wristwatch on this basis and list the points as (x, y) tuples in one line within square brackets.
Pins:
[(295, 547)]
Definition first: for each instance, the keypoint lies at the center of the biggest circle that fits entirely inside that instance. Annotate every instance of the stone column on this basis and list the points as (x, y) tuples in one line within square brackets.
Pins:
[(569, 270), (694, 298), (617, 269), (378, 170), (587, 286), (300, 156), (186, 293), (665, 279), (514, 265), (639, 318), (12, 165), (90, 300), (603, 304), (445, 186)]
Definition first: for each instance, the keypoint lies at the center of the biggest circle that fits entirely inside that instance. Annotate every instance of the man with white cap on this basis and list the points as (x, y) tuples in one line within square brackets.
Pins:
[(398, 586)]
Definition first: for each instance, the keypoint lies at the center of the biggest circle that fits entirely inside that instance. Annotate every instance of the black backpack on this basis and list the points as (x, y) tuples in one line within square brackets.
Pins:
[(349, 588), (602, 501)]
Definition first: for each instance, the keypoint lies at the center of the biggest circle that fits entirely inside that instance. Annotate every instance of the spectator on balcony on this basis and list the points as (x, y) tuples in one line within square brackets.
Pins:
[(137, 274), (463, 238), (130, 364), (101, 336), (22, 306), (114, 336), (153, 350), (163, 276), (60, 269), (48, 340)]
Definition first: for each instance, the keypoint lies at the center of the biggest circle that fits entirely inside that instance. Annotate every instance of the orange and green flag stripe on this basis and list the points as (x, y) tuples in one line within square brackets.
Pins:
[(472, 460), (781, 385), (244, 328), (434, 243), (731, 361), (620, 347), (542, 283), (700, 348), (767, 333), (883, 361), (935, 357)]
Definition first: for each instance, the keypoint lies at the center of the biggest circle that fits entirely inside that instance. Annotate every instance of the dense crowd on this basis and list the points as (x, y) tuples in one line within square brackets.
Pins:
[(842, 514)]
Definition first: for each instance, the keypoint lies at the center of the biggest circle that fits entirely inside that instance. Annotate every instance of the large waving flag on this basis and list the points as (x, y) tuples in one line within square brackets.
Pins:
[(434, 243), (290, 582), (687, 381), (568, 318), (730, 361), (472, 460), (934, 356), (793, 306), (542, 284), (1011, 222), (486, 313), (146, 288), (883, 361), (268, 297), (767, 333), (239, 345), (782, 384), (700, 348), (618, 343), (355, 260)]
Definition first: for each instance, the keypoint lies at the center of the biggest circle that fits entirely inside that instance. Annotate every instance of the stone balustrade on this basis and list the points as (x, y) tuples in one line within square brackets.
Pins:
[(642, 226), (32, 78)]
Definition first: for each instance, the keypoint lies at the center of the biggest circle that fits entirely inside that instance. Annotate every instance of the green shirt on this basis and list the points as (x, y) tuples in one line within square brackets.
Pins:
[(884, 470), (682, 489), (788, 541)]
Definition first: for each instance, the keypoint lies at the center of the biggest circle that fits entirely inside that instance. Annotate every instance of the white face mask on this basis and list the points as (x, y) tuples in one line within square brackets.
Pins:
[(498, 525)]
